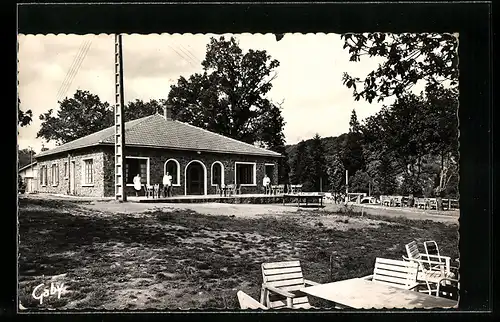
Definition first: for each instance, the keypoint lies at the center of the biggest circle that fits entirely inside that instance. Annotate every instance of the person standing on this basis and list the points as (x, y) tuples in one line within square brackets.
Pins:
[(137, 184), (266, 182), (167, 185)]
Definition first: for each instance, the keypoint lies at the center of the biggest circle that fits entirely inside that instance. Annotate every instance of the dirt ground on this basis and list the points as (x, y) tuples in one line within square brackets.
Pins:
[(168, 256), (258, 210)]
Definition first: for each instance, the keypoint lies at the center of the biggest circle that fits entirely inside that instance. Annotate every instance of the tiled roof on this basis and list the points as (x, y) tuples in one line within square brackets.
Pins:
[(157, 132)]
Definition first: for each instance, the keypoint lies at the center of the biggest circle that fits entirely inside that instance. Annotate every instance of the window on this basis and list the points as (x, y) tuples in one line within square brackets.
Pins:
[(270, 171), (88, 171), (172, 167), (54, 174), (217, 174), (66, 170), (245, 173), (135, 166), (43, 175)]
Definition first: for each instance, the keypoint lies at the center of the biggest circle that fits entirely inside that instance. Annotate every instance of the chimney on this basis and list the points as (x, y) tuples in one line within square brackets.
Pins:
[(168, 113)]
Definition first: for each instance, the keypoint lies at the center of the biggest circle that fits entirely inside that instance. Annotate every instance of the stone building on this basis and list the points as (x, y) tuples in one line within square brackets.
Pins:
[(197, 159)]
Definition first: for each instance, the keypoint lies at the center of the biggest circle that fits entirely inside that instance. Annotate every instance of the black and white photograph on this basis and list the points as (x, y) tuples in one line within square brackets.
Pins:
[(238, 171)]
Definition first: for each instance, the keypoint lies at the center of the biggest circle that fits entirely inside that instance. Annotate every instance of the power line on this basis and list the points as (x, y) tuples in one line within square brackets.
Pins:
[(77, 68), (182, 56), (189, 53), (68, 73)]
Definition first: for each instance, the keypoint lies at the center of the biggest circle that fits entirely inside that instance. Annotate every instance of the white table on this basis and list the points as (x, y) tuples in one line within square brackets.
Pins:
[(364, 294)]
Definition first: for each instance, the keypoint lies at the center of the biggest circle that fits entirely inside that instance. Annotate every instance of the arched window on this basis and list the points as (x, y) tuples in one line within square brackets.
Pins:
[(173, 168), (217, 173)]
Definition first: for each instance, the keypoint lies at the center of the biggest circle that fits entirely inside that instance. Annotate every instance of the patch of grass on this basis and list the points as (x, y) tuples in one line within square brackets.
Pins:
[(219, 266)]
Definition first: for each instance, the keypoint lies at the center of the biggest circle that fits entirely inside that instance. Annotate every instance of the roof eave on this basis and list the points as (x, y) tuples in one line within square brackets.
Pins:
[(188, 149)]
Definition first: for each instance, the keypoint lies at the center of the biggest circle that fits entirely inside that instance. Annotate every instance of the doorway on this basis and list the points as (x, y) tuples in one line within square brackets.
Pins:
[(72, 169), (195, 178)]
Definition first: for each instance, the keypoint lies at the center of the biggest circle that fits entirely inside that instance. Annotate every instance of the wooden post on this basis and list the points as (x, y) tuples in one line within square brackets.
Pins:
[(346, 186)]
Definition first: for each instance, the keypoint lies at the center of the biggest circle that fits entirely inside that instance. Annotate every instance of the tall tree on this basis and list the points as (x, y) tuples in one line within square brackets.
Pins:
[(408, 58), (229, 96), (354, 126), (336, 175), (298, 164), (316, 168), (81, 115)]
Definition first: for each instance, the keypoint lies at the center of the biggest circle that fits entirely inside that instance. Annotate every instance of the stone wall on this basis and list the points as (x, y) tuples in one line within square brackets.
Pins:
[(63, 185), (158, 157)]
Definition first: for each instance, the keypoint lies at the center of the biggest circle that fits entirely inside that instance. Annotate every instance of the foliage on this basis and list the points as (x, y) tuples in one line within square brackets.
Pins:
[(81, 115), (336, 174), (23, 118), (298, 163), (85, 113), (21, 185), (229, 96), (25, 157), (138, 109), (409, 147), (316, 167), (409, 58)]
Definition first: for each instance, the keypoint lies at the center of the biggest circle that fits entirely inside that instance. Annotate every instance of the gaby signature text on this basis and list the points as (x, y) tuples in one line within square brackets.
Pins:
[(41, 291)]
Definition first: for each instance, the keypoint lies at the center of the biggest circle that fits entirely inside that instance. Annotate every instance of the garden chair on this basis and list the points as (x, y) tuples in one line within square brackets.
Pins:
[(431, 268), (248, 302), (157, 190), (281, 189), (396, 273), (230, 189), (281, 284), (149, 191), (432, 249)]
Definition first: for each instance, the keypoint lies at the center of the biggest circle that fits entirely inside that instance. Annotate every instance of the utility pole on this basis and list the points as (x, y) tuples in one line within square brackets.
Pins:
[(120, 193)]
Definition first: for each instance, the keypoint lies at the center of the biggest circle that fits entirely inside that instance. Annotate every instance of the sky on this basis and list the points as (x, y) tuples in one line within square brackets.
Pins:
[(309, 81)]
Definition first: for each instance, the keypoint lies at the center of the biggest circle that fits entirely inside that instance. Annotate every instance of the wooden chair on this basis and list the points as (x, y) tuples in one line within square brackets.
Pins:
[(248, 302), (397, 273), (218, 190), (281, 284), (281, 189)]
